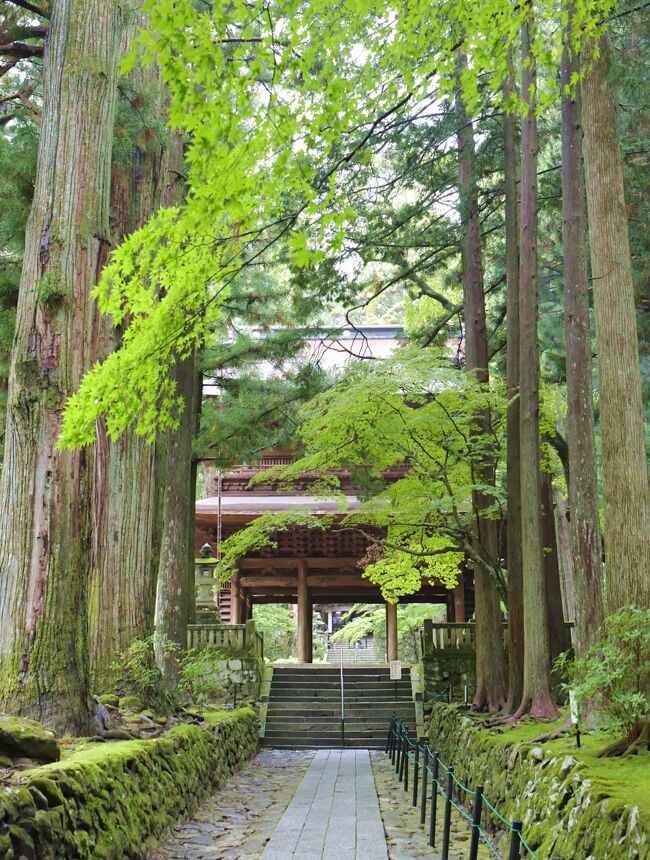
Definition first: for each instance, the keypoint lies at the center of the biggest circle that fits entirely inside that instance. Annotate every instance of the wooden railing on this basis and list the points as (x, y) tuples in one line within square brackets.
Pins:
[(451, 636), (233, 637), (436, 636)]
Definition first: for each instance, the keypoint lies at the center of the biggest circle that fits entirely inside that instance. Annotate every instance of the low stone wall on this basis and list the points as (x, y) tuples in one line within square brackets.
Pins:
[(116, 800), (447, 668), (564, 812)]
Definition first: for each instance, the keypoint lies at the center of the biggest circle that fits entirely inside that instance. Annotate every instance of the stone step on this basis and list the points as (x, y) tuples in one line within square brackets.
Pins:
[(334, 735), (306, 721), (316, 698), (326, 745), (325, 683), (334, 713), (335, 672)]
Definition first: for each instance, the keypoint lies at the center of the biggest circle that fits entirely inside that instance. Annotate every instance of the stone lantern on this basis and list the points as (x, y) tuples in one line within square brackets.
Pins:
[(206, 589)]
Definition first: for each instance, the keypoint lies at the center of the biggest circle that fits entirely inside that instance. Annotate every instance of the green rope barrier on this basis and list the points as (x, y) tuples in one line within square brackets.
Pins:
[(528, 848), (493, 849), (462, 811), (497, 813), (464, 788)]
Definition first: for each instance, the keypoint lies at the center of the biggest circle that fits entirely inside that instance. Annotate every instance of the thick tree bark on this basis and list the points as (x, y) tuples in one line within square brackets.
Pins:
[(558, 634), (536, 696), (45, 494), (127, 509), (491, 688), (625, 477), (582, 484), (513, 523), (176, 567), (565, 557)]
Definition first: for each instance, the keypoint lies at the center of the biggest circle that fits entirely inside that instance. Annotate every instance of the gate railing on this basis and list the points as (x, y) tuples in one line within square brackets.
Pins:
[(405, 751), (235, 637)]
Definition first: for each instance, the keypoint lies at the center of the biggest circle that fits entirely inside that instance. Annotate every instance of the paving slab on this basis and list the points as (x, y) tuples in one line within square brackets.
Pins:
[(334, 814)]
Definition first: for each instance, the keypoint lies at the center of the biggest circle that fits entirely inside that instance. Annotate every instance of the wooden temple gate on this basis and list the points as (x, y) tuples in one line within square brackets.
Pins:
[(310, 567)]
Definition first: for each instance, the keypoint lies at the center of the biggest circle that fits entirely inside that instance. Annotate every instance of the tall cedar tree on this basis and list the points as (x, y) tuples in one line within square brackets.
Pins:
[(45, 494), (583, 491), (625, 477), (536, 696), (491, 690), (129, 473), (513, 455)]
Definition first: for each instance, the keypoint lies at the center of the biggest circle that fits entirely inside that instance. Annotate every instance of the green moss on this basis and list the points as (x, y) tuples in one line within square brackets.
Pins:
[(115, 800), (572, 803)]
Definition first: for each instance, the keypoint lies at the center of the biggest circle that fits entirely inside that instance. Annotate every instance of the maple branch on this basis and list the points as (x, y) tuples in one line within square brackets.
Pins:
[(20, 50), (43, 11)]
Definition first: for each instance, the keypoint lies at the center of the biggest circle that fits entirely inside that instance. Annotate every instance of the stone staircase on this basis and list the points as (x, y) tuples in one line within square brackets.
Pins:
[(353, 656), (304, 709)]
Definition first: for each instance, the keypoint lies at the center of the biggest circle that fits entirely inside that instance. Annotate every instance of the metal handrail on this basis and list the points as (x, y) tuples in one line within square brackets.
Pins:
[(342, 702)]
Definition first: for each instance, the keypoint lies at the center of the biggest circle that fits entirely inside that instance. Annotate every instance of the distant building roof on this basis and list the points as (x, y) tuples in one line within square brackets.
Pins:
[(252, 506)]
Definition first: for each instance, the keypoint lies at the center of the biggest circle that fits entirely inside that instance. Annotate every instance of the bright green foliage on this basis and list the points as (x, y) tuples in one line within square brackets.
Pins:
[(415, 409), (276, 100), (199, 678), (139, 676), (370, 620), (260, 534), (615, 672), (277, 623)]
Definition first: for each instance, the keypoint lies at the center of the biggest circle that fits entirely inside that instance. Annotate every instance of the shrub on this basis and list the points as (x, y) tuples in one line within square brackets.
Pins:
[(200, 681), (614, 675), (139, 675)]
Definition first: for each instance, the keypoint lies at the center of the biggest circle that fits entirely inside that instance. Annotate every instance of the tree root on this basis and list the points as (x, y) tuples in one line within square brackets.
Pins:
[(622, 747)]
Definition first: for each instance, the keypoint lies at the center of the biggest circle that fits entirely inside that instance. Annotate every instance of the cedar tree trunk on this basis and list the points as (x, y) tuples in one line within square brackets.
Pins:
[(513, 462), (45, 494), (582, 484), (490, 658), (536, 696), (625, 477)]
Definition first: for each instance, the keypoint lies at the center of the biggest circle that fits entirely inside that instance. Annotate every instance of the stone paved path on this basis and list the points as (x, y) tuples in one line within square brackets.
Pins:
[(407, 838), (334, 815), (311, 805), (238, 820)]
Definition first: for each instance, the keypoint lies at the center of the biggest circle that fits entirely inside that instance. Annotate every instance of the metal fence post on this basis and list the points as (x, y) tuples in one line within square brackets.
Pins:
[(402, 760), (416, 772), (476, 823), (398, 745), (515, 841), (406, 762), (447, 822), (434, 800), (425, 775), (389, 740)]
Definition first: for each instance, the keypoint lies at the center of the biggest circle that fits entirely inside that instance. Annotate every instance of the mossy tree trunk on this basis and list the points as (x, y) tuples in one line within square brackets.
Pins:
[(491, 689), (583, 490), (127, 509), (536, 695), (625, 476), (45, 494), (558, 634), (513, 459), (176, 566)]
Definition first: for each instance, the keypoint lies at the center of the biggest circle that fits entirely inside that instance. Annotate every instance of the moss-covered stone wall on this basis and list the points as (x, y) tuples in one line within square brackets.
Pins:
[(116, 800), (569, 808)]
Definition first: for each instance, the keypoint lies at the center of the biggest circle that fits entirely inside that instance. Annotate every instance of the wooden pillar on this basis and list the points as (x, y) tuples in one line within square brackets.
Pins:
[(310, 630), (391, 631), (459, 602), (235, 600), (303, 637), (450, 607)]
